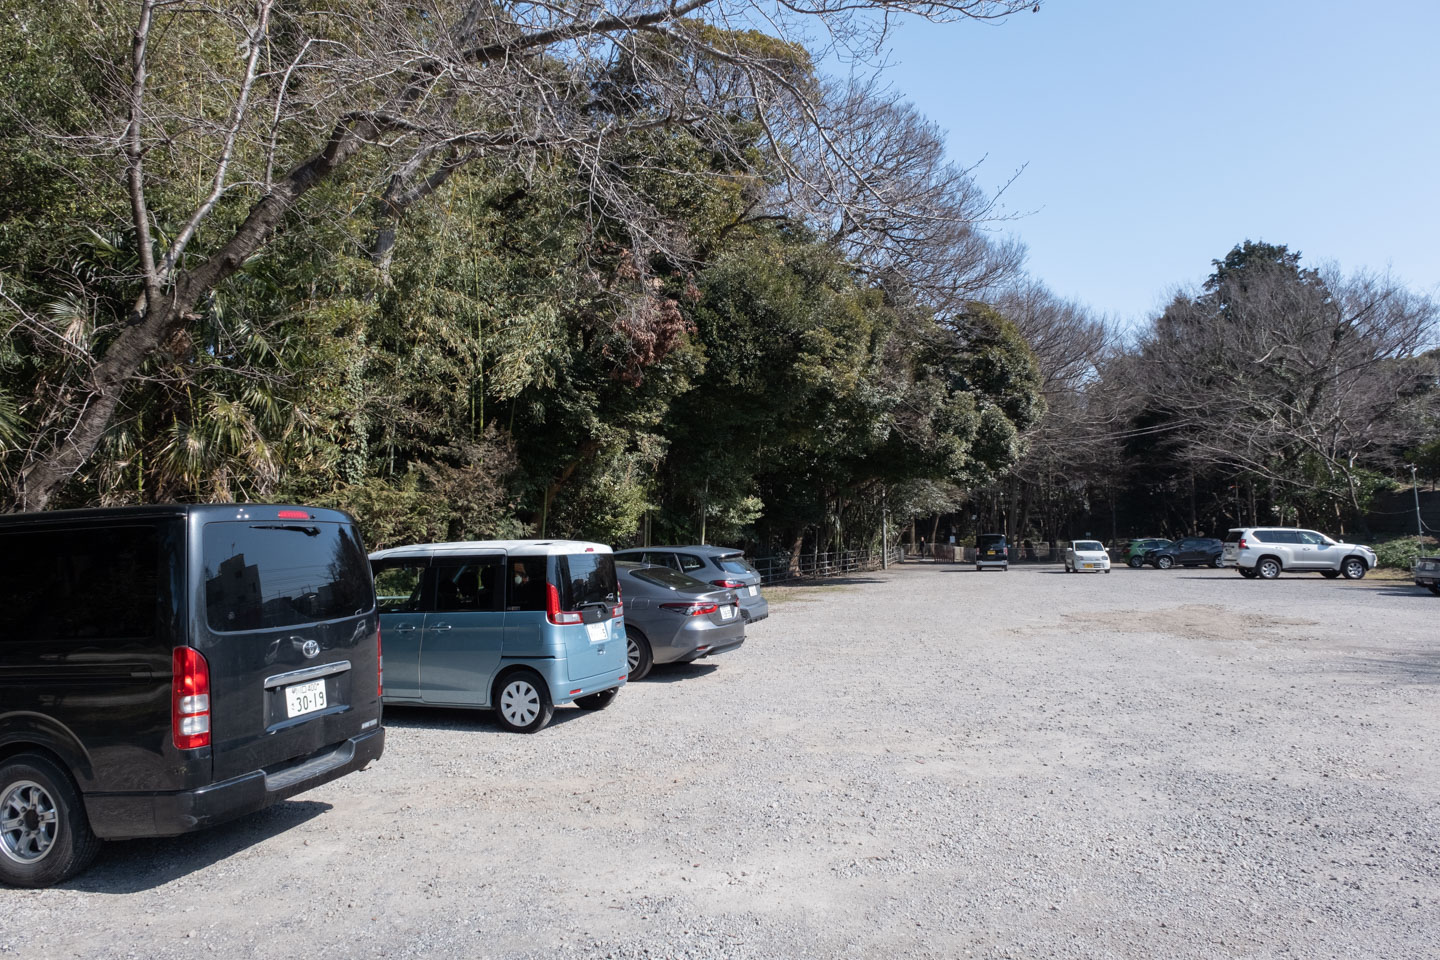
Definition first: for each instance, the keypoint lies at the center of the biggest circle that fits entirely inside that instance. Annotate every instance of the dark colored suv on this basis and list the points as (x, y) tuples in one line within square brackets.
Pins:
[(1187, 552), (167, 668)]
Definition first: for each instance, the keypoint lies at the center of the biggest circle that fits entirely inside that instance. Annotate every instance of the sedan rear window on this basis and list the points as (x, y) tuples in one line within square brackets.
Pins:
[(266, 575), (669, 579)]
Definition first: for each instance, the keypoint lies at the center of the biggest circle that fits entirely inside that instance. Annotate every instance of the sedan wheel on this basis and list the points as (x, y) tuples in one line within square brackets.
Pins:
[(1164, 563), (637, 654), (523, 703), (1218, 563), (1353, 569), (1268, 568)]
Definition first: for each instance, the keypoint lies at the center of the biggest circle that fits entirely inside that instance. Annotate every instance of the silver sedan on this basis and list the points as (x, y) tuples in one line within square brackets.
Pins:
[(673, 618)]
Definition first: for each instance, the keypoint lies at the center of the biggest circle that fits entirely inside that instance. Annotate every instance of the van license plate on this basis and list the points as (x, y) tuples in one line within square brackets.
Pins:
[(303, 698), (754, 590), (598, 633)]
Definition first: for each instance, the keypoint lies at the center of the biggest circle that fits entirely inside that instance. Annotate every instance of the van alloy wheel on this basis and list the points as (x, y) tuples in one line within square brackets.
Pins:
[(1353, 569), (28, 822), (45, 837)]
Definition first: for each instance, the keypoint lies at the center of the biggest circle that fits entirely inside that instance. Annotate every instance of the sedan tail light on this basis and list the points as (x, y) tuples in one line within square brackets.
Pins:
[(692, 609)]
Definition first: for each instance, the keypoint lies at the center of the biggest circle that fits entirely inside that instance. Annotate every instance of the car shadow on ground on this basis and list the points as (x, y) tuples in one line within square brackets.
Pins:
[(480, 720), (678, 672), (132, 866), (1413, 669)]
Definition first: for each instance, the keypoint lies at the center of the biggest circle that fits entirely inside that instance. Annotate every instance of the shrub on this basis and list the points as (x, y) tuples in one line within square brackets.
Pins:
[(1401, 553)]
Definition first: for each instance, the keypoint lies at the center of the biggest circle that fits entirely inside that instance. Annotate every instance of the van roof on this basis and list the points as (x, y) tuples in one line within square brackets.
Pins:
[(514, 548), (209, 511)]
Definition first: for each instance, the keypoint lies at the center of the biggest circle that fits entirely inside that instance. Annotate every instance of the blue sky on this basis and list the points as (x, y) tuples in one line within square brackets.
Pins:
[(1157, 135)]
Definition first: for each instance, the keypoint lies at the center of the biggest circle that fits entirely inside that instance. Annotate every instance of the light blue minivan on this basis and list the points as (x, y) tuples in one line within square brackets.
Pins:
[(517, 626)]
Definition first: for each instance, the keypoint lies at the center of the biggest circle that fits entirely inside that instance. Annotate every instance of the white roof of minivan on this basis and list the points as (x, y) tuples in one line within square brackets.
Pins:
[(514, 548)]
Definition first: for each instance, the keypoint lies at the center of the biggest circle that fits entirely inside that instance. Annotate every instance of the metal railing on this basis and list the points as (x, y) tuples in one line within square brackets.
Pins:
[(815, 566)]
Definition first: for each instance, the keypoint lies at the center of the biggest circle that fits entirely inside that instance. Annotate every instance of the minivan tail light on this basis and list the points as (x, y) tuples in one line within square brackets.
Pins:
[(729, 584), (379, 663), (553, 613), (692, 609), (189, 699)]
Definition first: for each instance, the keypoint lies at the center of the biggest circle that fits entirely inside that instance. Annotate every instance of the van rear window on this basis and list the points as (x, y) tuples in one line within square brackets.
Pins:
[(266, 575), (585, 578)]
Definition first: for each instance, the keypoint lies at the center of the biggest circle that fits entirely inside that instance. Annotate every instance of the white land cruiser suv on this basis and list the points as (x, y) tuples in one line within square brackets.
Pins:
[(1265, 551)]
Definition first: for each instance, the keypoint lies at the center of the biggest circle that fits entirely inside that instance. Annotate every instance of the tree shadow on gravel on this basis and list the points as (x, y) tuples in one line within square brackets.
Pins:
[(678, 672), (132, 866), (478, 721)]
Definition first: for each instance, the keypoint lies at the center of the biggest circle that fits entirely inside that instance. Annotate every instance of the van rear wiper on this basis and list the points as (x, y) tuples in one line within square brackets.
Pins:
[(308, 531)]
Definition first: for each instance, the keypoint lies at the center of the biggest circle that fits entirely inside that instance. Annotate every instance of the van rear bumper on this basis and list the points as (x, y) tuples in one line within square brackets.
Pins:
[(130, 815)]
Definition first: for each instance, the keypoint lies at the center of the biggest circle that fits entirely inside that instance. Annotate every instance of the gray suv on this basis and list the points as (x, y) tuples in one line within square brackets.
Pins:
[(1265, 551)]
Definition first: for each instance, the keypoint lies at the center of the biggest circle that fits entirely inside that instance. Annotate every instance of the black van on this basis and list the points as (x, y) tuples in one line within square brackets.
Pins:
[(167, 668)]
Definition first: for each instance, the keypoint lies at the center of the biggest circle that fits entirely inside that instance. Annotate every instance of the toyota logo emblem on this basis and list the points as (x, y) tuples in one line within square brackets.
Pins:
[(311, 649)]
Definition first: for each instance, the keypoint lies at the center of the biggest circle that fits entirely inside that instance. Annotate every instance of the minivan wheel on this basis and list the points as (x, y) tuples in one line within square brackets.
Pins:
[(1353, 569), (522, 702), (637, 654), (1268, 568), (45, 837), (597, 701), (1164, 563)]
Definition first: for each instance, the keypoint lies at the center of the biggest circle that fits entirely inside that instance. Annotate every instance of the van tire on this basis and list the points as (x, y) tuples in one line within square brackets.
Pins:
[(522, 702), (597, 701), (31, 787), (638, 654)]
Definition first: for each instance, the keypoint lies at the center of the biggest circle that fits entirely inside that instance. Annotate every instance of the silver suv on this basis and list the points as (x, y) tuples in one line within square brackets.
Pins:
[(1265, 551)]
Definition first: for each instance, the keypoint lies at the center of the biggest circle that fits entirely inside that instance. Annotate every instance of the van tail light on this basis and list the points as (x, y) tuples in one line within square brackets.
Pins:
[(189, 699), (553, 613), (729, 584), (379, 663), (692, 609)]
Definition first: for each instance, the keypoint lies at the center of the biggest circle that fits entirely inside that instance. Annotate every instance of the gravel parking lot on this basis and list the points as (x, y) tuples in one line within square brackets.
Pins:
[(928, 762)]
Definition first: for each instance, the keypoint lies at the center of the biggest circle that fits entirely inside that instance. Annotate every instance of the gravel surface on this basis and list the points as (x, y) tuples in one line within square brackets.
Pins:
[(928, 762)]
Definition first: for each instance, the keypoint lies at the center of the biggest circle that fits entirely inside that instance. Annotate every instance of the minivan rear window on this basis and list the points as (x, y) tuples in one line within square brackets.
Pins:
[(266, 575), (585, 578)]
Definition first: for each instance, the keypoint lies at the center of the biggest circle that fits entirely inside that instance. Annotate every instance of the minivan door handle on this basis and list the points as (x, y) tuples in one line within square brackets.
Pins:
[(405, 626)]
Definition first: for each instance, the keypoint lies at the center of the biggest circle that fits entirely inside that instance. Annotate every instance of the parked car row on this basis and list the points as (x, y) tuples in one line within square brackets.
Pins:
[(172, 667)]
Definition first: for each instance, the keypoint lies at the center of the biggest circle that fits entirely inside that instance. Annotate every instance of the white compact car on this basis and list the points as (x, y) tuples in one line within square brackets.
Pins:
[(1266, 551), (1086, 556)]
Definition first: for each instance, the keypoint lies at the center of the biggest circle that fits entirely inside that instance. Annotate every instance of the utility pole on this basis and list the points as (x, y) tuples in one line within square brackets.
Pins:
[(1415, 486)]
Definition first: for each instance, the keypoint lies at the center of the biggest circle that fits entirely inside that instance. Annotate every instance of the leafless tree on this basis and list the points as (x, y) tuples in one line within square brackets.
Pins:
[(1301, 378), (224, 119)]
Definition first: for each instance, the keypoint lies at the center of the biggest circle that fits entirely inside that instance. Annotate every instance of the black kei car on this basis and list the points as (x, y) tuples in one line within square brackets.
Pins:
[(167, 668), (1187, 552)]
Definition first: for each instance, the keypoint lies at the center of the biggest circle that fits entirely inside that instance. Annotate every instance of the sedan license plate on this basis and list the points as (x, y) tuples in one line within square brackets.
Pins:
[(727, 613), (754, 590), (303, 698), (598, 633)]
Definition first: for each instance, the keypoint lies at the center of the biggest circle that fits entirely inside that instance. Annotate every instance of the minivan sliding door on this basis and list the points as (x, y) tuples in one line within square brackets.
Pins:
[(464, 632)]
